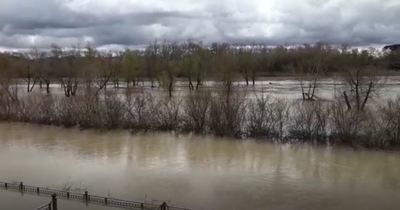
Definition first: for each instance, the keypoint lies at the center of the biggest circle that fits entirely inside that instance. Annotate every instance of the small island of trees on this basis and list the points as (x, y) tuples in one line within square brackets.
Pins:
[(191, 87)]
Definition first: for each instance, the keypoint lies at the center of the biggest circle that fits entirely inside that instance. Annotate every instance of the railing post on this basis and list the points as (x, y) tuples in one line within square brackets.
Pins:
[(37, 190), (105, 201), (86, 196), (5, 185), (142, 205), (67, 195), (49, 206), (21, 186), (54, 201), (164, 206)]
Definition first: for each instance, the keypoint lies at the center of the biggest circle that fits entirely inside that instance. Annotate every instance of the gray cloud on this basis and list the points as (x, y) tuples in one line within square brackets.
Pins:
[(133, 22)]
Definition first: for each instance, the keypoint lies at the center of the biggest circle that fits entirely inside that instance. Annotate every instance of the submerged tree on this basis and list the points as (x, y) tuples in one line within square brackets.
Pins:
[(245, 59), (189, 65), (32, 67), (309, 80), (361, 85), (68, 64), (169, 65), (130, 67), (90, 66), (224, 65), (151, 62)]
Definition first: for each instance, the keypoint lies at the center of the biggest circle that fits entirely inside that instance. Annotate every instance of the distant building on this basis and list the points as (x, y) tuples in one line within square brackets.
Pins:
[(394, 47), (394, 57)]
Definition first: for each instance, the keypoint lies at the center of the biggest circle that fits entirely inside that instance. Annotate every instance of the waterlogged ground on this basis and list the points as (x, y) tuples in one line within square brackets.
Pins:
[(194, 171)]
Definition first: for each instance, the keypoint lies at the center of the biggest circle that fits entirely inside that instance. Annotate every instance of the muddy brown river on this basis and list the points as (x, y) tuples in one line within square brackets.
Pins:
[(196, 172)]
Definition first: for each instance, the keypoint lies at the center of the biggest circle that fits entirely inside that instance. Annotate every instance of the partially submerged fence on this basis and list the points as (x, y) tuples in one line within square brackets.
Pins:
[(52, 205), (46, 206), (85, 197)]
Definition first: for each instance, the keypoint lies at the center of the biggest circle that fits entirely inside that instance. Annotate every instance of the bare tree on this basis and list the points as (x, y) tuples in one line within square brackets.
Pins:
[(116, 68), (224, 65), (245, 64), (69, 80), (361, 85), (152, 61), (130, 67), (32, 68), (46, 72), (104, 73), (90, 66), (170, 54), (309, 82), (189, 64)]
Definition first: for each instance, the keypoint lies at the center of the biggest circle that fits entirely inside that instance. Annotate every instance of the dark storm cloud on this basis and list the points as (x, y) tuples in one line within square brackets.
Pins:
[(132, 22)]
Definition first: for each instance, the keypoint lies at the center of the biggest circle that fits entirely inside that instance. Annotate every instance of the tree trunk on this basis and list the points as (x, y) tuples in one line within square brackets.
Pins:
[(191, 87), (29, 85), (198, 82), (347, 100), (170, 86), (48, 87), (367, 96)]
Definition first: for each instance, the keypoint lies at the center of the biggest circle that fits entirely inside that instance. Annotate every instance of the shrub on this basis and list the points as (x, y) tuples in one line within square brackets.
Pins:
[(141, 111), (42, 110), (197, 105), (389, 123), (168, 115), (88, 111), (67, 114), (348, 126), (310, 121), (227, 114), (114, 112), (261, 117)]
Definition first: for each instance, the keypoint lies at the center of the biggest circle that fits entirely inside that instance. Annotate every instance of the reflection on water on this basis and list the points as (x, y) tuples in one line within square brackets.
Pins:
[(199, 172)]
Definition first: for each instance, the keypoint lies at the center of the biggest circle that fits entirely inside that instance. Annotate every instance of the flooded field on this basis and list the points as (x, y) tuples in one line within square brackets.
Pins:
[(283, 87)]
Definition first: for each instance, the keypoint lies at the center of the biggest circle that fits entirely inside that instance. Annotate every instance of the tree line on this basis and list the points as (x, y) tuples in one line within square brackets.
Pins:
[(162, 64)]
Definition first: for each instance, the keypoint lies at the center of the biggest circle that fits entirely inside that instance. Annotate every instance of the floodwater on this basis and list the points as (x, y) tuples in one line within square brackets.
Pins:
[(196, 172), (281, 87)]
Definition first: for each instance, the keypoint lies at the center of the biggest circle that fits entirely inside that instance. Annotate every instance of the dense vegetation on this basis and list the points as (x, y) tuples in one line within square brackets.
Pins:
[(88, 79), (201, 112)]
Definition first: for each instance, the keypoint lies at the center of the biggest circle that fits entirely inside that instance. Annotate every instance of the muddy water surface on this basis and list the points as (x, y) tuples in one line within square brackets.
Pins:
[(195, 172)]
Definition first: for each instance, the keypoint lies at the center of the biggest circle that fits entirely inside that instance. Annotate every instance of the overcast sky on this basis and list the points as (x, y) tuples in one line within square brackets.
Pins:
[(107, 23)]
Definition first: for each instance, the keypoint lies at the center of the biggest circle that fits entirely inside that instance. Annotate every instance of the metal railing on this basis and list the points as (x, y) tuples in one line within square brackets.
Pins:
[(85, 197), (49, 206)]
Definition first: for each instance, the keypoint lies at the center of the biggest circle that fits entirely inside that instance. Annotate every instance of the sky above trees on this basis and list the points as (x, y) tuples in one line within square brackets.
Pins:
[(125, 23)]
